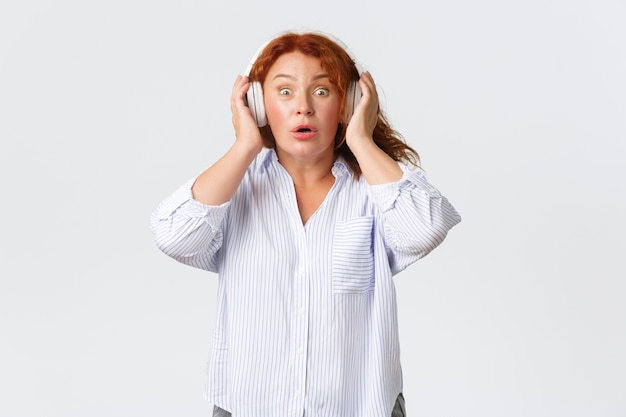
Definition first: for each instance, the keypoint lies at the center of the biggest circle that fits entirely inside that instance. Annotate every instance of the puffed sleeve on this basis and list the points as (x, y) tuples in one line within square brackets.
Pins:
[(187, 230), (416, 217)]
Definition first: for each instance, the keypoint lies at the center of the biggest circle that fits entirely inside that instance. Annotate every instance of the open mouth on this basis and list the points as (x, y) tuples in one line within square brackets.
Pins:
[(304, 129), (304, 132)]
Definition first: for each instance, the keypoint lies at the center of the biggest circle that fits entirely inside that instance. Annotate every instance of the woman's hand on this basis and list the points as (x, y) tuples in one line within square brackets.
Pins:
[(247, 132), (361, 126), (218, 183), (376, 165)]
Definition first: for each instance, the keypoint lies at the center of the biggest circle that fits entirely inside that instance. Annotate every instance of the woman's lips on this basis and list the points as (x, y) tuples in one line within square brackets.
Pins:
[(303, 132)]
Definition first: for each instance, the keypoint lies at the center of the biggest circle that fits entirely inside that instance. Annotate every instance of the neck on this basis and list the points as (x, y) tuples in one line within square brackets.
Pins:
[(310, 171)]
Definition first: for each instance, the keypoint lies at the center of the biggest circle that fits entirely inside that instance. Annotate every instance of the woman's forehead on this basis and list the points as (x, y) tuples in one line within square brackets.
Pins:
[(294, 64)]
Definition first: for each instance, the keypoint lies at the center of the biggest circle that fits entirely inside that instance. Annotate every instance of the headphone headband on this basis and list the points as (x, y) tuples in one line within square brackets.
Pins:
[(333, 38)]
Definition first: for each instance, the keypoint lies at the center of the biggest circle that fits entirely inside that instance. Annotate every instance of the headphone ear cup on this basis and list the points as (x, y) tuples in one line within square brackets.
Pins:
[(254, 98), (353, 96)]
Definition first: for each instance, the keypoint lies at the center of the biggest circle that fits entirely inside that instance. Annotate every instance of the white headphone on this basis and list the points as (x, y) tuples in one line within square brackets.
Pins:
[(254, 96)]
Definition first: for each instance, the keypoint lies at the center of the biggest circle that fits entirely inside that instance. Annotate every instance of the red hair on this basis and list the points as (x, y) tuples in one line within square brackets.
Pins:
[(341, 69)]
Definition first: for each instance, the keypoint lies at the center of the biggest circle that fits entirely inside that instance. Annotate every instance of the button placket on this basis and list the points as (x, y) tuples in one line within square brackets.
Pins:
[(300, 320)]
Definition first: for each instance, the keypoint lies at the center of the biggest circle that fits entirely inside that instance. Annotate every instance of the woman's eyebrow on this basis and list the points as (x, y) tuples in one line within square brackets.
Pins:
[(291, 77)]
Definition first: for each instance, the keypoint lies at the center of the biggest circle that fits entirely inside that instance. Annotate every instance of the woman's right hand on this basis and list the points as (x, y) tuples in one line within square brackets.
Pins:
[(247, 132)]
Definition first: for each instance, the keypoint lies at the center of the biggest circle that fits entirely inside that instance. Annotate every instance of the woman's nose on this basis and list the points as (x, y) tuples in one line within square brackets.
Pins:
[(304, 105)]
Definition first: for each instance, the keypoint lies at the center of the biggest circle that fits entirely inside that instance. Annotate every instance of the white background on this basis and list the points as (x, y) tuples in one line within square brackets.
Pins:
[(517, 108)]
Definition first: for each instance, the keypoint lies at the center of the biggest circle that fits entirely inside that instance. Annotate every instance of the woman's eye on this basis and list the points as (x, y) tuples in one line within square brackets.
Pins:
[(284, 91), (321, 91)]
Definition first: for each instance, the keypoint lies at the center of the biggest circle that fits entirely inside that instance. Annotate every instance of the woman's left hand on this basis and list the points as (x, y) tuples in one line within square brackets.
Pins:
[(361, 126)]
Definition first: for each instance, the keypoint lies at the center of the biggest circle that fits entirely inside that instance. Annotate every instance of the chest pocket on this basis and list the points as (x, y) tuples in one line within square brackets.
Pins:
[(353, 256)]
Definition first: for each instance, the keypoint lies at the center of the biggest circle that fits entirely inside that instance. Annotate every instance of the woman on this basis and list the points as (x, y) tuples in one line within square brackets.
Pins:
[(306, 220)]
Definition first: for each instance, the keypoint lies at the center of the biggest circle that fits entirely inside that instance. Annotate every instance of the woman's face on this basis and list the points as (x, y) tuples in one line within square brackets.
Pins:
[(302, 107)]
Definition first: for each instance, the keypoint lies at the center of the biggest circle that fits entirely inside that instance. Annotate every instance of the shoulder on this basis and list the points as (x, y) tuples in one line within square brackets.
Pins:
[(261, 162)]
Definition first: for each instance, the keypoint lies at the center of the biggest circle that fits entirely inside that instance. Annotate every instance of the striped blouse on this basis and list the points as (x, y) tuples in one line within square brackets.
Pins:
[(306, 320)]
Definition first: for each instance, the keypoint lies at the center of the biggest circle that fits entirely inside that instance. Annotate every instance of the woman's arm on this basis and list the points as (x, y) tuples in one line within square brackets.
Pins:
[(188, 224), (377, 167), (219, 182), (187, 230), (416, 216)]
